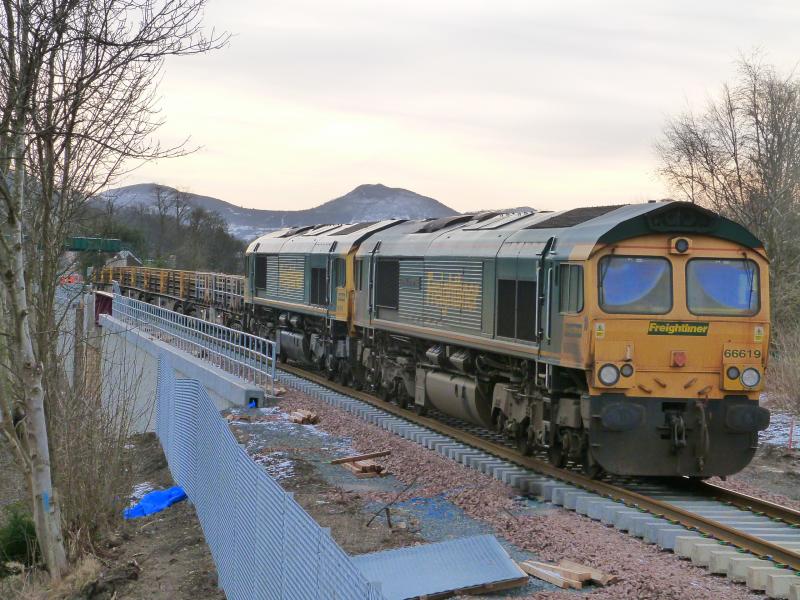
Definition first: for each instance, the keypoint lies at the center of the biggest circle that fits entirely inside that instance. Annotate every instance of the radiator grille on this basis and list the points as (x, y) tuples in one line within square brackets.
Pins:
[(443, 293)]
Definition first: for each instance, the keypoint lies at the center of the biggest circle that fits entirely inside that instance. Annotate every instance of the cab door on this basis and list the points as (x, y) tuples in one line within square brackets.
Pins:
[(546, 301)]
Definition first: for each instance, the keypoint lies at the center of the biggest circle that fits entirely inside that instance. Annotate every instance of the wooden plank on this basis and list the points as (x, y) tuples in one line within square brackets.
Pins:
[(598, 576), (550, 576), (358, 457), (483, 588), (367, 466), (564, 570)]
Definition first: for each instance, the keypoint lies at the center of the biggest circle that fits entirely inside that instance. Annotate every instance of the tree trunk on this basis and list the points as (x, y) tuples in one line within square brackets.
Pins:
[(46, 515)]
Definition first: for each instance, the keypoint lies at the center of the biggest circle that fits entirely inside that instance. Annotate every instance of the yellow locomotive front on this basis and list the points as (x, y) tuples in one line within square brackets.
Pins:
[(679, 344)]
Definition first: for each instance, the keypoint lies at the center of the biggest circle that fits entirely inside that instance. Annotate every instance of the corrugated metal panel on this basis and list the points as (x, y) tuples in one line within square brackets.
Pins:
[(291, 277), (412, 273), (453, 293), (286, 277), (272, 275), (441, 567)]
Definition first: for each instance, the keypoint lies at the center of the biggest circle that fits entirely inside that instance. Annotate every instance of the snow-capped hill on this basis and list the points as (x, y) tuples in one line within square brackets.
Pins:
[(369, 202)]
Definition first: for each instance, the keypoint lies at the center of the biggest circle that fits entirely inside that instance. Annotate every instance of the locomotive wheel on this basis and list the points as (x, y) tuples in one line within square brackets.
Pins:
[(524, 444), (342, 376), (500, 423), (384, 393), (420, 410), (402, 396), (556, 455), (589, 465)]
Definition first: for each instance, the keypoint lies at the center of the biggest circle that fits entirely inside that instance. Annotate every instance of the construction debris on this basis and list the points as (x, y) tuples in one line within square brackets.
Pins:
[(237, 417), (303, 417), (566, 574), (597, 576), (248, 418), (358, 457), (465, 566), (365, 468)]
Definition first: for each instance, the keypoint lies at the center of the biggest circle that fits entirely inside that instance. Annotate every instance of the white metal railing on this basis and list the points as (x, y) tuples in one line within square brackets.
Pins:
[(242, 354)]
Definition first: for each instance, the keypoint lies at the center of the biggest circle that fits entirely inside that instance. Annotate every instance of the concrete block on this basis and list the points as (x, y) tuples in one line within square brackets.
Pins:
[(738, 565), (779, 584), (467, 457), (756, 578), (667, 538), (719, 559), (613, 513), (522, 482), (790, 545), (794, 591), (490, 467), (548, 489), (627, 521), (594, 507), (559, 494), (639, 526), (701, 553), (571, 498), (655, 534), (684, 545)]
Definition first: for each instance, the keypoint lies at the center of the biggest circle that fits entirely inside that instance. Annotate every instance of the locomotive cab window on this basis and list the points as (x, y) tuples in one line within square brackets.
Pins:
[(635, 284), (387, 283), (570, 281), (722, 287)]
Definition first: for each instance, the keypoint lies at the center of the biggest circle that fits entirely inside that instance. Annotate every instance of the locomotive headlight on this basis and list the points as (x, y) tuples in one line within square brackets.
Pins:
[(626, 370), (608, 374), (732, 372), (751, 377)]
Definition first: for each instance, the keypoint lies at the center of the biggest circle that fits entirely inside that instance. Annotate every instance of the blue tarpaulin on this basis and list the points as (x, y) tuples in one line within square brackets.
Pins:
[(154, 502)]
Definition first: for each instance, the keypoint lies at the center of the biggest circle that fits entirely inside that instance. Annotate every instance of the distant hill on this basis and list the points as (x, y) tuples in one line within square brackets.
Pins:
[(368, 202)]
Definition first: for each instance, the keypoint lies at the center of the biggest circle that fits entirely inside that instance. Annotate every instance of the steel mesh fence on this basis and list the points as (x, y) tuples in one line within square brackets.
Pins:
[(265, 546)]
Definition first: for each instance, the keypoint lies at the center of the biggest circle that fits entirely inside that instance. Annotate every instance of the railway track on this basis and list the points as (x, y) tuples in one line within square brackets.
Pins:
[(762, 528)]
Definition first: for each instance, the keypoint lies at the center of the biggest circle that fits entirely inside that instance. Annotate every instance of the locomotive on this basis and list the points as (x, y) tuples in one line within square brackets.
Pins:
[(629, 339)]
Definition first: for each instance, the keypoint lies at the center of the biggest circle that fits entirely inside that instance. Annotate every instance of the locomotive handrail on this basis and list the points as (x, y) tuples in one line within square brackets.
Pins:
[(242, 354)]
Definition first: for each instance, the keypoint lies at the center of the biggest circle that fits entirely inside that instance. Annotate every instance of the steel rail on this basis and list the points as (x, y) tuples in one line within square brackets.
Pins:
[(674, 514), (748, 502)]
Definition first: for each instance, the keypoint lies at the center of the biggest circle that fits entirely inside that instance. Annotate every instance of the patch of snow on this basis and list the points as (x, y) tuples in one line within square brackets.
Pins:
[(277, 465), (777, 434), (139, 491)]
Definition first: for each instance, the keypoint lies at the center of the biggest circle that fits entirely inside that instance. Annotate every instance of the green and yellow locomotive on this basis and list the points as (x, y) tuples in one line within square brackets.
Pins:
[(631, 339)]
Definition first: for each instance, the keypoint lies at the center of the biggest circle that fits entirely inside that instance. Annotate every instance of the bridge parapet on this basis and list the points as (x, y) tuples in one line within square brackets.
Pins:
[(244, 355)]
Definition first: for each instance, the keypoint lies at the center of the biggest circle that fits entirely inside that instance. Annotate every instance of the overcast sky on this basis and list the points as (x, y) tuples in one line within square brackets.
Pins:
[(477, 104)]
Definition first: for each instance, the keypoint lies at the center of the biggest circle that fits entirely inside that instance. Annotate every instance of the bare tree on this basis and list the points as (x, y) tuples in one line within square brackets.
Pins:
[(162, 203), (77, 109), (182, 207), (741, 157)]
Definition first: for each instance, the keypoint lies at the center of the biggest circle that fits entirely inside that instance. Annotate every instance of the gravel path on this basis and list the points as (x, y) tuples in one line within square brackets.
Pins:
[(645, 572)]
